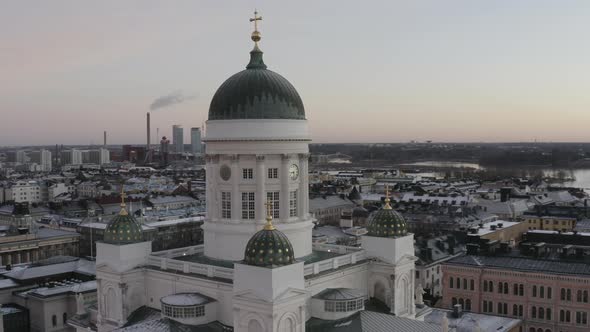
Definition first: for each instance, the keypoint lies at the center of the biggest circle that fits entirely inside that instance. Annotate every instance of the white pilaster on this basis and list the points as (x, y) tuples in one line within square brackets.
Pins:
[(284, 195), (260, 189), (235, 193), (303, 186)]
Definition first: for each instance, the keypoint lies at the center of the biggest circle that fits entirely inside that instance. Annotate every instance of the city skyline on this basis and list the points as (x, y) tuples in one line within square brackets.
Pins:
[(461, 71)]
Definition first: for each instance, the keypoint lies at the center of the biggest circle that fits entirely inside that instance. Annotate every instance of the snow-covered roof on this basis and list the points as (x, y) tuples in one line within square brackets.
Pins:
[(186, 299), (81, 266), (80, 287)]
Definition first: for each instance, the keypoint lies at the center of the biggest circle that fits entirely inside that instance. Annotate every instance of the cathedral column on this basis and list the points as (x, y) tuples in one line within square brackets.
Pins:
[(260, 190), (303, 195), (235, 193), (208, 186), (284, 195)]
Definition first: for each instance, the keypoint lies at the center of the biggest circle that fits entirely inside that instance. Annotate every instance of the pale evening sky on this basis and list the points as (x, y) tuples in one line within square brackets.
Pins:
[(368, 71)]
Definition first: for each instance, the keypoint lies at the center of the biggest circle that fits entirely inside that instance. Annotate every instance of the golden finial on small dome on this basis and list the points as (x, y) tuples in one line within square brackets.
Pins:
[(387, 200), (269, 226), (256, 36), (123, 212)]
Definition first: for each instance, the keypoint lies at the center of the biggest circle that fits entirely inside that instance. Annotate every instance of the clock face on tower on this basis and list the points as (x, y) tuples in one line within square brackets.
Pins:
[(293, 172), (225, 172)]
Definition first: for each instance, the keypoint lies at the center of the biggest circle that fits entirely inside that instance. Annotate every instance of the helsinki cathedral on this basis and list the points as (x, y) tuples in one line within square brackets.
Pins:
[(258, 269)]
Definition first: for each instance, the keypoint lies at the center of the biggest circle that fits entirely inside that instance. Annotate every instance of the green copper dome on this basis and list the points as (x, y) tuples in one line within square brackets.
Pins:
[(123, 229), (256, 93), (269, 248), (387, 222)]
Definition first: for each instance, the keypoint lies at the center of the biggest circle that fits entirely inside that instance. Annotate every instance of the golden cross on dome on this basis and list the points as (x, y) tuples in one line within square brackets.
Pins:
[(269, 226), (123, 195), (256, 34), (387, 200), (255, 20)]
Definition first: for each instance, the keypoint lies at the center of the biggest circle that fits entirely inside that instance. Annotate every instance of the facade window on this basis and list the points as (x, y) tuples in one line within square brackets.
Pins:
[(581, 318), (534, 291), (485, 286), (561, 315), (247, 173), (453, 301), (579, 296), (226, 204), (248, 205), (505, 288), (485, 306), (541, 292), (272, 197), (64, 318), (549, 293), (563, 294), (500, 287), (548, 313), (585, 297), (520, 310), (534, 312), (541, 313), (183, 312), (569, 295), (521, 290), (515, 289), (459, 283), (451, 282), (471, 284), (54, 320), (273, 173), (514, 310), (293, 203), (491, 286), (464, 283), (568, 317), (468, 305), (499, 308)]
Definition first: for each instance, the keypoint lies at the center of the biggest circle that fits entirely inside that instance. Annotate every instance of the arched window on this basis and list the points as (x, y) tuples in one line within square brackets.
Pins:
[(464, 283), (534, 291), (514, 310), (568, 316), (515, 289), (64, 318), (548, 313), (520, 310), (534, 312), (521, 290), (462, 303), (541, 313), (468, 305), (569, 294), (454, 301), (579, 296), (505, 288), (561, 315), (532, 329), (54, 320), (499, 287), (491, 286), (539, 330), (563, 294), (458, 283), (549, 293), (547, 330), (585, 297), (485, 286), (542, 292), (451, 282), (471, 284)]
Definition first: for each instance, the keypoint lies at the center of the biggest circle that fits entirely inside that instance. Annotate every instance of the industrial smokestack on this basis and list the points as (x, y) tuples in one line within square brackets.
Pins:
[(105, 139), (148, 131)]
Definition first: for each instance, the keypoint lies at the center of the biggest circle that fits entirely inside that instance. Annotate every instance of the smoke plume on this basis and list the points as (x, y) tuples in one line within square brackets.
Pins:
[(173, 98)]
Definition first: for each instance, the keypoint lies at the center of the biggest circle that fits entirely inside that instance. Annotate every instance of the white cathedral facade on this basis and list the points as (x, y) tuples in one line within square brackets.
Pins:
[(258, 269)]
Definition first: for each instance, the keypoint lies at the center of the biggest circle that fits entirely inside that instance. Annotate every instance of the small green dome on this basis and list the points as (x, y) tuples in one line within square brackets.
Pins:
[(123, 229), (269, 248), (387, 223), (256, 93)]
